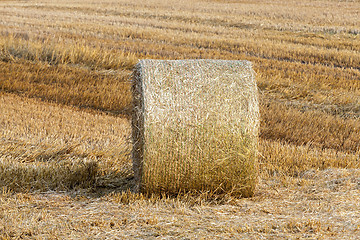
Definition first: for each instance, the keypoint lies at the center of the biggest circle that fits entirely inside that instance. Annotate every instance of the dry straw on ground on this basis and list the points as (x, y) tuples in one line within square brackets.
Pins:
[(195, 126)]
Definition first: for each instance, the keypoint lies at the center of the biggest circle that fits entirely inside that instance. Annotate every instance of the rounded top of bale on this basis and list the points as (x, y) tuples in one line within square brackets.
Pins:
[(192, 90), (192, 64)]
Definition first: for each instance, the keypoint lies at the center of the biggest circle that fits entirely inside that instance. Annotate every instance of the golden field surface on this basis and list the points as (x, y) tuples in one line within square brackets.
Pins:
[(65, 102)]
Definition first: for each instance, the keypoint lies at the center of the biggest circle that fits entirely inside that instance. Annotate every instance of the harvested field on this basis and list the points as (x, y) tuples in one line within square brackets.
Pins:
[(65, 106), (45, 146)]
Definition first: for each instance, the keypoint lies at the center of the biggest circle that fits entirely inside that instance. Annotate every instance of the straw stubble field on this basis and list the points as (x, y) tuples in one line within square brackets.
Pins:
[(65, 105)]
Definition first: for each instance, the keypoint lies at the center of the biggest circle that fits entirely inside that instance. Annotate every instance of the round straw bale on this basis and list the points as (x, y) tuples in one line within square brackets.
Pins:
[(195, 126)]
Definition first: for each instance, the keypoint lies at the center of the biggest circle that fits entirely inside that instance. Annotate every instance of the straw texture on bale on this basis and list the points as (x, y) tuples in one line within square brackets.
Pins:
[(195, 126)]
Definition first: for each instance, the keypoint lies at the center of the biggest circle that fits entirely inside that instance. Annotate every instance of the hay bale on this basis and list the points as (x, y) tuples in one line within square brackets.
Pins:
[(195, 126)]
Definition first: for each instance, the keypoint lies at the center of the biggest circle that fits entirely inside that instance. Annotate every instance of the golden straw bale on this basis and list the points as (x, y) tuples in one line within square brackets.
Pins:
[(195, 126)]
